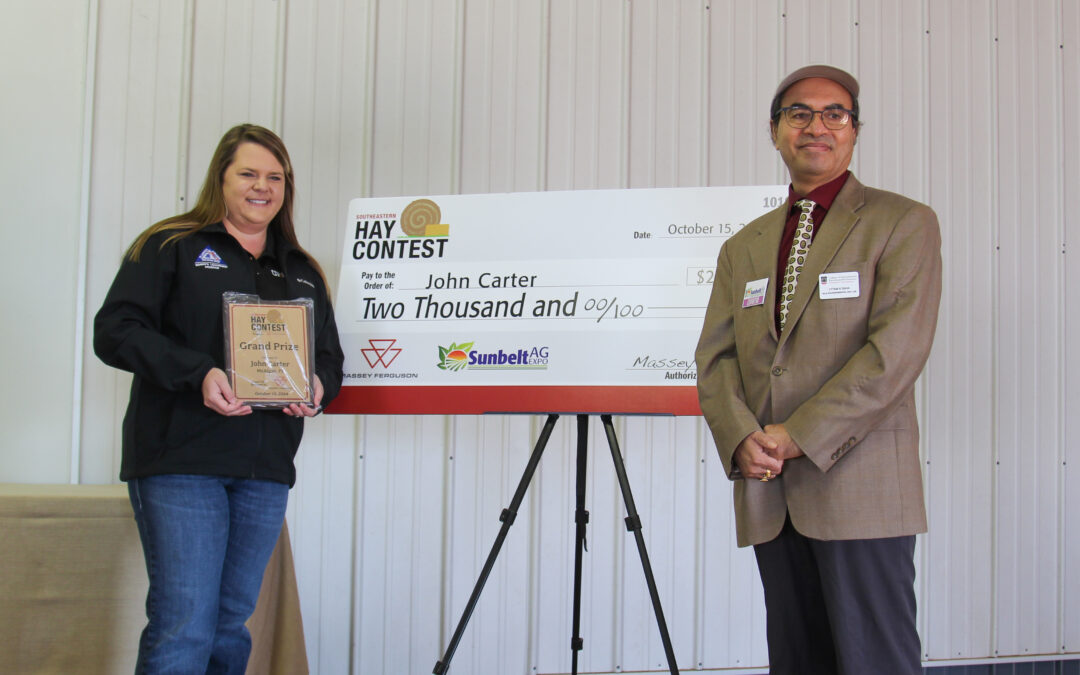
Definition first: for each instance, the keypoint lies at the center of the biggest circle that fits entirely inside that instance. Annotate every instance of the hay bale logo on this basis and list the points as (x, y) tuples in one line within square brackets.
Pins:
[(416, 233), (423, 218)]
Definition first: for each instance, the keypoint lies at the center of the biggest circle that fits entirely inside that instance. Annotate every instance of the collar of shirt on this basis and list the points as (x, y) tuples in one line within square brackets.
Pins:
[(276, 246), (823, 196)]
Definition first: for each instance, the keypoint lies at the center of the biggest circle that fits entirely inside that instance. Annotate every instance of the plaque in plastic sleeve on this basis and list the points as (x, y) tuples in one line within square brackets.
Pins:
[(268, 350)]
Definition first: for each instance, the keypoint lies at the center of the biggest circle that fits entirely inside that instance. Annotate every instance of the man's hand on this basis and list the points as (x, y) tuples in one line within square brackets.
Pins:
[(784, 446), (219, 396), (756, 456)]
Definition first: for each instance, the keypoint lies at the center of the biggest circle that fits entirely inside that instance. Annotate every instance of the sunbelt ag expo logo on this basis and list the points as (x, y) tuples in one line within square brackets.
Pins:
[(464, 356), (455, 357)]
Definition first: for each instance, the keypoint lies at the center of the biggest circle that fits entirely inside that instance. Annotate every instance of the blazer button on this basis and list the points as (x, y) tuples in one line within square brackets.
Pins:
[(777, 371)]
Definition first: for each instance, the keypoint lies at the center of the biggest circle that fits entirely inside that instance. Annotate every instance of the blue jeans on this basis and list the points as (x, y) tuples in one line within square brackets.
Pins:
[(206, 540)]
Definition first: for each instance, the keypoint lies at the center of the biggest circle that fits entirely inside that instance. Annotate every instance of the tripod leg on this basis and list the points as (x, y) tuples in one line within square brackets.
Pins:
[(507, 518), (633, 524), (581, 518)]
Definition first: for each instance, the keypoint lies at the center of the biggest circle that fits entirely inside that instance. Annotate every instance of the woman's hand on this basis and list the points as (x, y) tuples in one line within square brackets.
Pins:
[(300, 410), (219, 396)]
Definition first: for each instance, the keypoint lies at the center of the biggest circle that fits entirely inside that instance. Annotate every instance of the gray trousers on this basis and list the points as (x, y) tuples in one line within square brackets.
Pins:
[(840, 607)]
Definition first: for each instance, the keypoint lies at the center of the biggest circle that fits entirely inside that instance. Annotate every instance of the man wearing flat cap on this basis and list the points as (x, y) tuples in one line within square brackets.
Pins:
[(808, 389)]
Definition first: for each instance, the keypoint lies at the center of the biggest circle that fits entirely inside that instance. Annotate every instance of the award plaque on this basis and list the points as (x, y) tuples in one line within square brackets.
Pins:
[(268, 350)]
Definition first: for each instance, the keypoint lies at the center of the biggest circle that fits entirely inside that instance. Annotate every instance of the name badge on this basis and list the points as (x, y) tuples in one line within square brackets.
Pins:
[(838, 285), (754, 294)]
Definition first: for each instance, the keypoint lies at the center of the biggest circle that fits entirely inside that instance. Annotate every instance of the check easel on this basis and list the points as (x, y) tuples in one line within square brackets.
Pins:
[(581, 519)]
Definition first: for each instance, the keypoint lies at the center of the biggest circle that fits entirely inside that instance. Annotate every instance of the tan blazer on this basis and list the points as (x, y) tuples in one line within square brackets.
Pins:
[(840, 377)]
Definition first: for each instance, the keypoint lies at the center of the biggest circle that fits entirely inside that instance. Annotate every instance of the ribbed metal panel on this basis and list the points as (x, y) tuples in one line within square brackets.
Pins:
[(967, 106), (503, 118), (1067, 182), (1028, 263), (137, 167), (744, 62), (586, 95), (42, 212), (959, 173)]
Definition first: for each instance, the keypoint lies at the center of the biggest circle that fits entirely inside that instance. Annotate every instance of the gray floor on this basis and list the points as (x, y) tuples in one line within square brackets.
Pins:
[(1071, 667)]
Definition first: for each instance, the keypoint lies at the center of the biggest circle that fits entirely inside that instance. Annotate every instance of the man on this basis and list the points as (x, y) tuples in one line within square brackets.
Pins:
[(808, 390)]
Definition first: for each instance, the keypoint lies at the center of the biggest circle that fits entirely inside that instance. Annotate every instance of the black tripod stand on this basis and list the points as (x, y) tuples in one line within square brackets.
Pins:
[(581, 518)]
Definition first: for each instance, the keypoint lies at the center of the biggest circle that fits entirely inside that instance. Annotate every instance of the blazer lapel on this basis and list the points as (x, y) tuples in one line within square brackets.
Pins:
[(839, 221), (763, 255)]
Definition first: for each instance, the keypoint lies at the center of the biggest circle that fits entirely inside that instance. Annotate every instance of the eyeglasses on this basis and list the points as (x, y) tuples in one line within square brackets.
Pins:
[(800, 117)]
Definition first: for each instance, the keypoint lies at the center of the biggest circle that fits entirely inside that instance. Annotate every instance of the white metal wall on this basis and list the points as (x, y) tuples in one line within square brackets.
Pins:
[(968, 105)]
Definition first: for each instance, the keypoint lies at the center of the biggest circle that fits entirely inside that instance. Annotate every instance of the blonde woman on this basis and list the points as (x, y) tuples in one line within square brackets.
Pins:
[(208, 476)]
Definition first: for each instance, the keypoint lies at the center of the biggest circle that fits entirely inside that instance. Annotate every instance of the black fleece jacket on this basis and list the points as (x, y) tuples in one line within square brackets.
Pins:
[(162, 321)]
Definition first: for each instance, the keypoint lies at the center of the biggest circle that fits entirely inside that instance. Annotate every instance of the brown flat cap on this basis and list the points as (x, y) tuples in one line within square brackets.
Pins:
[(838, 76)]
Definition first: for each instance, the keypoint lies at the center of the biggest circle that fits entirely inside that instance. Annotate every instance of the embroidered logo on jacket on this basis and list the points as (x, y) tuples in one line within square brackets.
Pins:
[(210, 260)]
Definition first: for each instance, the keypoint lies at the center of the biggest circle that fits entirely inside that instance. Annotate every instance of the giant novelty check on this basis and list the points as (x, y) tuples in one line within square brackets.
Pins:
[(571, 302)]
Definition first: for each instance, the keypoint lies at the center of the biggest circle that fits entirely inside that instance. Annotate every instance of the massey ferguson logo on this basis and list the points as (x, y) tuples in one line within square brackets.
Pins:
[(381, 352)]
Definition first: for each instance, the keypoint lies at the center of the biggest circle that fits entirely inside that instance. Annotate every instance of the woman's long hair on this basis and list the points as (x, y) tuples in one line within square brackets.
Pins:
[(210, 207)]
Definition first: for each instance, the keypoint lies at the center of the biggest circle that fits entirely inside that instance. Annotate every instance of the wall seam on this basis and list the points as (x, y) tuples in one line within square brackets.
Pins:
[(1062, 314), (82, 250)]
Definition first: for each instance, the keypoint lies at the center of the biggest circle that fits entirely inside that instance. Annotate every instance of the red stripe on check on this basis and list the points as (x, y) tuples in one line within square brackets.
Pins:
[(479, 400)]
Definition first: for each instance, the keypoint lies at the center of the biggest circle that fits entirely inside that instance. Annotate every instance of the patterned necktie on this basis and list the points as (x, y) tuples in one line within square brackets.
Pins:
[(799, 246)]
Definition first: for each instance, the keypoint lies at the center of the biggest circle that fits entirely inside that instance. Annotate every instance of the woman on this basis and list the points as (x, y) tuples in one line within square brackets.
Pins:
[(208, 476)]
